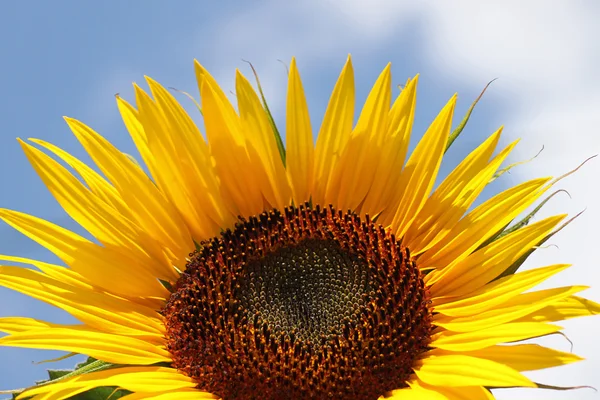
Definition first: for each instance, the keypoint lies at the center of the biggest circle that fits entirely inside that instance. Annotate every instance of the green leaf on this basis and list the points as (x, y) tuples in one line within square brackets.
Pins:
[(458, 130), (278, 139), (85, 367)]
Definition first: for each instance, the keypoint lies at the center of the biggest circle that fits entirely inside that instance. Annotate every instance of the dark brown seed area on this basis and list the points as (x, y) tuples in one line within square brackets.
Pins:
[(304, 304)]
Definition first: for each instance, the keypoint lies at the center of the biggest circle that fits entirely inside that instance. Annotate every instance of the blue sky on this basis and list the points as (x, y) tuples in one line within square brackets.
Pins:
[(71, 58)]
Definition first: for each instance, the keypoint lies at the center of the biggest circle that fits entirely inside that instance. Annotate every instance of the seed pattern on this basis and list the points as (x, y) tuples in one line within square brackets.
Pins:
[(307, 303), (309, 289)]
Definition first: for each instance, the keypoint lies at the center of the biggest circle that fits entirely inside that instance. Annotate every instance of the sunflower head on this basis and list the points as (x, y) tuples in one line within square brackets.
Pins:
[(300, 303), (244, 268)]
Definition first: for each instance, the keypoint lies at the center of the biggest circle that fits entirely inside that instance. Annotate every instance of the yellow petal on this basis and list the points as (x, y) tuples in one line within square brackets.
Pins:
[(72, 278), (177, 171), (421, 391), (141, 379), (334, 133), (481, 223), (79, 203), (505, 333), (203, 77), (374, 115), (487, 263), (107, 347), (345, 174), (261, 138), (526, 357), (98, 310), (353, 175), (566, 308), (421, 170), (97, 264), (231, 152), (468, 393), (194, 157), (182, 394), (299, 140), (96, 183), (497, 292), (515, 308), (131, 119), (454, 196), (383, 194), (459, 370), (57, 272), (147, 205), (109, 227), (13, 325), (416, 391)]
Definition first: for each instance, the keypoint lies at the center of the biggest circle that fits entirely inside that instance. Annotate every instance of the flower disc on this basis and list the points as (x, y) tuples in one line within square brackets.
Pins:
[(308, 303)]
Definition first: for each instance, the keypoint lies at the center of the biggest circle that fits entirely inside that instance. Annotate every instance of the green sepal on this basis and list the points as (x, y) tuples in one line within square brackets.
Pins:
[(189, 96), (566, 338), (278, 139), (14, 393), (61, 358), (543, 386), (525, 221), (517, 264), (458, 130), (506, 169), (508, 228), (55, 374), (167, 285), (85, 367), (571, 172), (133, 160), (88, 366), (493, 238), (552, 387)]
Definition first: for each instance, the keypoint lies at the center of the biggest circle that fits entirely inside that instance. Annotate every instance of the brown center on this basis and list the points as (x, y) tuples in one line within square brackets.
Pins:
[(304, 304)]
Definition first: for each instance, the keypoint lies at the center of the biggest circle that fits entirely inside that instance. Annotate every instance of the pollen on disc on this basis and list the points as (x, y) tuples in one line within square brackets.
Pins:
[(307, 303)]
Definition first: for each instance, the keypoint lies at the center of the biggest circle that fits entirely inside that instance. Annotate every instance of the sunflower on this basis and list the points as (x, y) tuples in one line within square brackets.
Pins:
[(240, 268)]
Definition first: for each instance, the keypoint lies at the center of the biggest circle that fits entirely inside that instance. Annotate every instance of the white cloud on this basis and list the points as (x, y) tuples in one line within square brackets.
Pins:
[(547, 60), (313, 31)]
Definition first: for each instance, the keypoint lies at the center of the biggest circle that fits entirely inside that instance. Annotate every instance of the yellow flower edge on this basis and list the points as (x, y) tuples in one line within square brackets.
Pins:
[(146, 227)]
